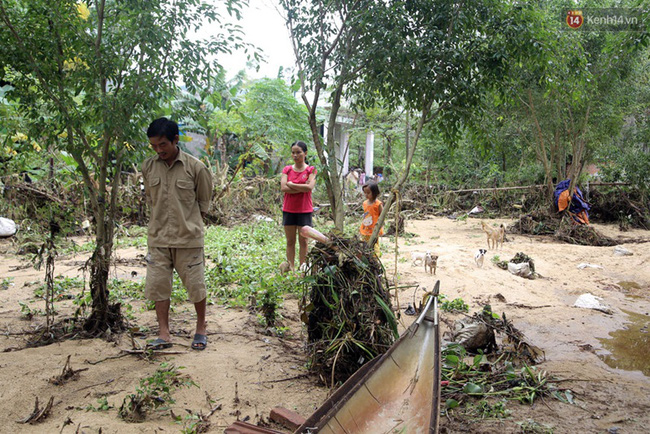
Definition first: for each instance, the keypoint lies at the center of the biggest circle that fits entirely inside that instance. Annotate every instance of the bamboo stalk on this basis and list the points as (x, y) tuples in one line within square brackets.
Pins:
[(525, 187)]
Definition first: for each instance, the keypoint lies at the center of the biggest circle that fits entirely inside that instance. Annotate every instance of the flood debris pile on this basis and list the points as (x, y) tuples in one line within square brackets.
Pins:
[(349, 316), (564, 229), (535, 223), (489, 334), (581, 234), (488, 363), (627, 207)]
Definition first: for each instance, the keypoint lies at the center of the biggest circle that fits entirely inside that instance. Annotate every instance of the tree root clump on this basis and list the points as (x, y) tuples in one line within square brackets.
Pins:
[(349, 318), (67, 373), (105, 323)]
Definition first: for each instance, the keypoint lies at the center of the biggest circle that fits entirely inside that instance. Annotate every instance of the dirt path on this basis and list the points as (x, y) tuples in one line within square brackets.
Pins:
[(248, 372)]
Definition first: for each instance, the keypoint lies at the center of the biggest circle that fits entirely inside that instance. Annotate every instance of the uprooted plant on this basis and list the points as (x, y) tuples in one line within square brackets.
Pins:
[(349, 317), (67, 373), (154, 392)]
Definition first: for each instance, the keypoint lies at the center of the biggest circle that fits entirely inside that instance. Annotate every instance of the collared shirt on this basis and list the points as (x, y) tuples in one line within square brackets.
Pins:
[(177, 196)]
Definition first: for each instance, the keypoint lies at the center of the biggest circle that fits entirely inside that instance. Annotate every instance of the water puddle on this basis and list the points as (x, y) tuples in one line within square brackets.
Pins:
[(629, 348), (633, 289), (629, 285)]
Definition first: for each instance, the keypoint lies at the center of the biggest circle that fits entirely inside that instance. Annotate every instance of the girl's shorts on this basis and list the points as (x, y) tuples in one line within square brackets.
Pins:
[(296, 218)]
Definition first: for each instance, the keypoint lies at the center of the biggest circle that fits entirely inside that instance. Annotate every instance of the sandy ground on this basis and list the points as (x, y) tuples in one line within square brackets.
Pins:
[(248, 372)]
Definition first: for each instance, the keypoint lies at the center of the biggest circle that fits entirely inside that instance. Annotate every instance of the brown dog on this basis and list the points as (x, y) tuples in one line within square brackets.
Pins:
[(430, 261), (495, 235)]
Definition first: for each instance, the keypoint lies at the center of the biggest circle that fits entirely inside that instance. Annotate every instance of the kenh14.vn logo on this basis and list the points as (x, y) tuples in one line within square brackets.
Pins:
[(574, 19)]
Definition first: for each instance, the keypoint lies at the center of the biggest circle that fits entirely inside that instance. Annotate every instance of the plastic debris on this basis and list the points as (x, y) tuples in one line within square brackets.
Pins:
[(410, 311), (586, 265), (7, 227), (622, 251), (589, 301)]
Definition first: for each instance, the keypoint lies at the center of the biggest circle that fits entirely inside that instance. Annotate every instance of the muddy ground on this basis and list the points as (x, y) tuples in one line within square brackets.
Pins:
[(248, 372)]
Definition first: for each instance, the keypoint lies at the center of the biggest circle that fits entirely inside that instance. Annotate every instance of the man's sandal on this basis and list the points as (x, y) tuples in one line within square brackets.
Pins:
[(199, 342), (158, 344)]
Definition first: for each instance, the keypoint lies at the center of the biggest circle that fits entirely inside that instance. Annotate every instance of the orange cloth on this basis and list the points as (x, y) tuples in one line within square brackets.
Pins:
[(563, 200), (581, 217), (562, 204), (370, 217)]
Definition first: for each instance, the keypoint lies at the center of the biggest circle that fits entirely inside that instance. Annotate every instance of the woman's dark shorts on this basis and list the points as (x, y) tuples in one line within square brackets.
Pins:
[(296, 218)]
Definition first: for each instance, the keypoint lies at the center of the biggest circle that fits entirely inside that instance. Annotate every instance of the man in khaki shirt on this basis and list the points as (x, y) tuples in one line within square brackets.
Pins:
[(178, 189)]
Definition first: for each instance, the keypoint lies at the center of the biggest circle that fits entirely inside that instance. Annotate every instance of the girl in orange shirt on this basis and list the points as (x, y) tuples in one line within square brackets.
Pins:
[(372, 208)]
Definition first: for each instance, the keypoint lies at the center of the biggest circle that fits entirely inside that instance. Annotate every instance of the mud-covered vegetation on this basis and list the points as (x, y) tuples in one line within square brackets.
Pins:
[(349, 314)]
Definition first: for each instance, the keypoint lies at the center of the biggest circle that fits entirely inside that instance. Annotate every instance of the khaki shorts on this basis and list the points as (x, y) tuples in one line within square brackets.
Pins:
[(189, 264)]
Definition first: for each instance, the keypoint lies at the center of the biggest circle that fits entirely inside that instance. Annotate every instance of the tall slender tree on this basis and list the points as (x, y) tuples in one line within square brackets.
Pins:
[(101, 69), (325, 35)]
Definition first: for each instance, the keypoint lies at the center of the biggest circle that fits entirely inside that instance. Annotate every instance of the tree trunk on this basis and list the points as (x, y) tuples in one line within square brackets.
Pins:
[(398, 185), (103, 316)]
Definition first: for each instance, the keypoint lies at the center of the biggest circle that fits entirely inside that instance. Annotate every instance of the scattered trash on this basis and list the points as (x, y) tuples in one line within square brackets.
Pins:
[(410, 310), (586, 265), (476, 210), (7, 227), (589, 301), (622, 251)]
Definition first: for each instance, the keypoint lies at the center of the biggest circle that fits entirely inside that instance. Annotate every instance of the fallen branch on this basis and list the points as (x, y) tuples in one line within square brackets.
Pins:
[(283, 379), (145, 352), (469, 190), (526, 306), (150, 352), (19, 267), (215, 408), (38, 414), (36, 191)]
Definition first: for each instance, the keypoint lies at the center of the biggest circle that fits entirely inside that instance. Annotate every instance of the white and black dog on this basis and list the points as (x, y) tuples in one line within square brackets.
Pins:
[(479, 257)]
